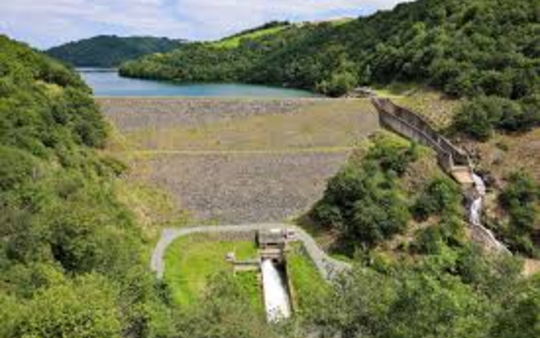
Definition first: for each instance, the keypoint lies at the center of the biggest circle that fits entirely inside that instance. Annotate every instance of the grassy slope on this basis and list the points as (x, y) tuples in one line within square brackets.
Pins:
[(306, 281), (324, 125), (234, 42), (192, 261), (436, 107)]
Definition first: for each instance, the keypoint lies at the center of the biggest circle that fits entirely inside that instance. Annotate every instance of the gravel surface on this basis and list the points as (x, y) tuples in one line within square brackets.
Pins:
[(244, 188), (132, 114), (328, 267)]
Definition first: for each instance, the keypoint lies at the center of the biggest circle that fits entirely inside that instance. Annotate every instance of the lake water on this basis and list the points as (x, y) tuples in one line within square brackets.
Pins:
[(106, 82)]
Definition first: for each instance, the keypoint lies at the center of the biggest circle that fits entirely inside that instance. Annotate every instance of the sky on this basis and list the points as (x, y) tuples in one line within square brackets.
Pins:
[(47, 23)]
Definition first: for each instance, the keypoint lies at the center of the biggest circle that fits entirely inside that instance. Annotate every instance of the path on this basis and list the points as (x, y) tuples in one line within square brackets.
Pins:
[(328, 267)]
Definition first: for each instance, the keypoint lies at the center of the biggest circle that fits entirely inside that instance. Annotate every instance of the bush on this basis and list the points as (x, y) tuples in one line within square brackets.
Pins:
[(480, 117), (520, 199), (393, 156), (363, 201), (431, 240), (374, 221), (440, 196), (16, 167), (339, 84)]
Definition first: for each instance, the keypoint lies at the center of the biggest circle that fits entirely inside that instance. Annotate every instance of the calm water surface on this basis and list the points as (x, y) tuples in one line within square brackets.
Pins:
[(107, 82)]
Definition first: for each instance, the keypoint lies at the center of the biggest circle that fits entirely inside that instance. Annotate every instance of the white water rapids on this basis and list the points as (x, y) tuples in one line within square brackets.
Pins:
[(476, 206), (276, 296), (476, 211)]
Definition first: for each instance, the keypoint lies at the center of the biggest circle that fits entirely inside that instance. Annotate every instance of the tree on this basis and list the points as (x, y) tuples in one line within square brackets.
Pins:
[(520, 199), (86, 308)]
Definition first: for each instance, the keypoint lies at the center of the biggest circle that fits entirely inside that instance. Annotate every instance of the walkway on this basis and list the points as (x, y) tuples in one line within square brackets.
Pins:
[(327, 266)]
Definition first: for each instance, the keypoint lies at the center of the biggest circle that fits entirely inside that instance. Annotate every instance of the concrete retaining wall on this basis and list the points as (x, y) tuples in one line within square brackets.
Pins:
[(415, 127)]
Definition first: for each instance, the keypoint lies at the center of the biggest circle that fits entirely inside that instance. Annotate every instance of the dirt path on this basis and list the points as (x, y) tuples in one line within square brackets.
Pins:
[(328, 267)]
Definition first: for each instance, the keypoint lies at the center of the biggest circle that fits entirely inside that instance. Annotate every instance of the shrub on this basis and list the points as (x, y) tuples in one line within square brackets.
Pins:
[(363, 201), (16, 167), (480, 117), (376, 220), (393, 156), (520, 199), (430, 240), (339, 84), (477, 118), (440, 196)]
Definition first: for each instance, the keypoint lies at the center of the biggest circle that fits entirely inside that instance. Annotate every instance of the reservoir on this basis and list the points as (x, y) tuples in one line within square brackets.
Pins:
[(107, 82)]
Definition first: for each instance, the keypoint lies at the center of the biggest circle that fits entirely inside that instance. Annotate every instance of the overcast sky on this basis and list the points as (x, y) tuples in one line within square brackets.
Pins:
[(45, 23)]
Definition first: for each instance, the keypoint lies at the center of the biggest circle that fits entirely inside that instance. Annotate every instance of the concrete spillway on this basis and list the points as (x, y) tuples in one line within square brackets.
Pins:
[(276, 296)]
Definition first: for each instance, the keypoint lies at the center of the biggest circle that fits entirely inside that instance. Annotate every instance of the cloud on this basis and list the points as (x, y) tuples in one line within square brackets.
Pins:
[(47, 22), (223, 17)]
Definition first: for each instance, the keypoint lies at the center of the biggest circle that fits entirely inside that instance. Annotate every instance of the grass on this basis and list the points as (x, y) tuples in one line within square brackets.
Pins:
[(250, 284), (433, 105), (505, 154), (438, 110), (308, 285), (192, 261), (234, 42), (322, 125)]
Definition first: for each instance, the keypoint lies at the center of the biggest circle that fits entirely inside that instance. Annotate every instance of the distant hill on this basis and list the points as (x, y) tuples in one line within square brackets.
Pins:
[(110, 51), (465, 48)]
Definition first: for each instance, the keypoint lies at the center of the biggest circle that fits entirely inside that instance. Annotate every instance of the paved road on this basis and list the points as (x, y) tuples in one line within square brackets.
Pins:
[(327, 266)]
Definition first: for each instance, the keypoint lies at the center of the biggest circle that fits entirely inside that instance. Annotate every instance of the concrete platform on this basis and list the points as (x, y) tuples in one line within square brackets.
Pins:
[(462, 175)]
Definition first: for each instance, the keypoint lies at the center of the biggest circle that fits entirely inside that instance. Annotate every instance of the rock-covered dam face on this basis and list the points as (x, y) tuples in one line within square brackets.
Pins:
[(240, 160)]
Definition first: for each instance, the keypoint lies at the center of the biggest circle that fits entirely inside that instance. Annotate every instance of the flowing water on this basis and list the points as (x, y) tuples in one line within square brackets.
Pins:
[(476, 211), (476, 206), (107, 82), (276, 295)]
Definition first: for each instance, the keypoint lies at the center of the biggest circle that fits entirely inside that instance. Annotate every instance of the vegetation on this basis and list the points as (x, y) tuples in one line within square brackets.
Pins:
[(480, 117), (106, 51), (225, 311), (441, 196), (250, 34), (453, 294), (193, 261), (521, 199), (364, 202), (70, 254), (448, 287), (308, 286), (464, 48)]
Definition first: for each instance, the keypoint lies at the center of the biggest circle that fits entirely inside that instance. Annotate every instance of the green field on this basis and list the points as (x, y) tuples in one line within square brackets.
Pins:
[(192, 261), (234, 42)]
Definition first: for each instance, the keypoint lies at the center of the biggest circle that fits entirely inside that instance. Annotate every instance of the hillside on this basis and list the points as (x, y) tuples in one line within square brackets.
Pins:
[(71, 253), (235, 40), (110, 51), (465, 48)]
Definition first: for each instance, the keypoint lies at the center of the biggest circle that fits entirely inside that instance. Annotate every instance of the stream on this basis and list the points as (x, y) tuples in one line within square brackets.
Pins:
[(476, 211)]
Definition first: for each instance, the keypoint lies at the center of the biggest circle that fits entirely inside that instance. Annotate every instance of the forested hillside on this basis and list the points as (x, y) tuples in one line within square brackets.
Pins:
[(110, 51), (466, 48), (71, 255)]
